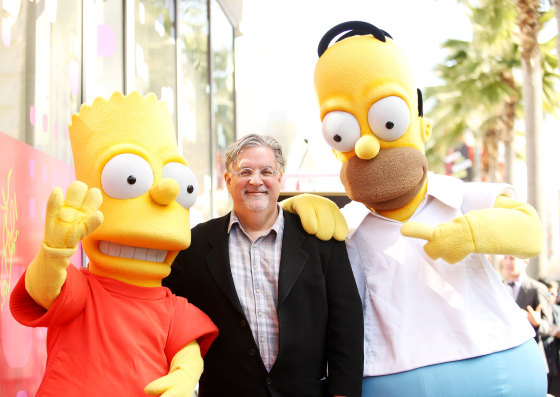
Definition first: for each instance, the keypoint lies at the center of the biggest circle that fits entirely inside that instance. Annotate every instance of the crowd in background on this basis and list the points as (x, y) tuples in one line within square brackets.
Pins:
[(539, 300)]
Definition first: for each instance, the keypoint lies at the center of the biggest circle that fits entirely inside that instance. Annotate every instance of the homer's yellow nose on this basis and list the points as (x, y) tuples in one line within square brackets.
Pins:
[(367, 147), (165, 191)]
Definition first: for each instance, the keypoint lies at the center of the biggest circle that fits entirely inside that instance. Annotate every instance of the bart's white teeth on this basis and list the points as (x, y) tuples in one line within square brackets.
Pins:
[(127, 251)]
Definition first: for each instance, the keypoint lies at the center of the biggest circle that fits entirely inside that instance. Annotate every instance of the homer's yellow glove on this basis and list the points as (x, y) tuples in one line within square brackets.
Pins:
[(319, 216), (184, 373), (510, 228), (67, 222)]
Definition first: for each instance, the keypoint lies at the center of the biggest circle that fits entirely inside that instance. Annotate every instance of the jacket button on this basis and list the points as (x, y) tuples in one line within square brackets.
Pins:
[(243, 323), (268, 381), (252, 352)]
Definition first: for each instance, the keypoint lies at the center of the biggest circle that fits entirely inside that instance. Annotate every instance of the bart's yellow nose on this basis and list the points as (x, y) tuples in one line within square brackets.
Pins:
[(165, 191), (367, 147)]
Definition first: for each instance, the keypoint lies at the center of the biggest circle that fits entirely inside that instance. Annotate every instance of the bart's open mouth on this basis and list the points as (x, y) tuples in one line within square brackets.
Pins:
[(127, 251)]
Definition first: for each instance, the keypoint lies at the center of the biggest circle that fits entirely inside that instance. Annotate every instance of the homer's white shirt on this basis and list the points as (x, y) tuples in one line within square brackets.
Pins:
[(418, 311)]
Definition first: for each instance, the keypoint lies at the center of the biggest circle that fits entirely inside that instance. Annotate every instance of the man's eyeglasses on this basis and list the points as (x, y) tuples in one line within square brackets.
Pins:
[(264, 173)]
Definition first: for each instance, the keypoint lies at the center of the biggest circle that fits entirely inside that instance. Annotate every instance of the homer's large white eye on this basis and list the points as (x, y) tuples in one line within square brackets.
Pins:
[(126, 176), (341, 130), (389, 117), (188, 186)]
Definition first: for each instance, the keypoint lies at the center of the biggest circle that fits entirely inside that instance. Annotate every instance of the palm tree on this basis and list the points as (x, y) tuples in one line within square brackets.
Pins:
[(479, 91), (556, 4)]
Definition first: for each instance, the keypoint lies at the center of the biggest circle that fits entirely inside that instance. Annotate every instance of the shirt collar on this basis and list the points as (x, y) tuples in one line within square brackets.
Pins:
[(276, 227), (443, 188), (446, 189)]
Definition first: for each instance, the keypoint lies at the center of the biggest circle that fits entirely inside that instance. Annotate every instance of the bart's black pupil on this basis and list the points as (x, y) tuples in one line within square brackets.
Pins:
[(190, 189), (389, 125), (337, 138), (131, 180)]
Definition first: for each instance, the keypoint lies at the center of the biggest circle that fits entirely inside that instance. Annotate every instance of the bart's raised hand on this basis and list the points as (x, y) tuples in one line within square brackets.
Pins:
[(450, 241), (319, 216), (67, 222)]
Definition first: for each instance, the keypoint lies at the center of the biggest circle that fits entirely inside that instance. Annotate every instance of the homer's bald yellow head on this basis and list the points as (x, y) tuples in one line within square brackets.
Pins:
[(126, 147), (372, 115)]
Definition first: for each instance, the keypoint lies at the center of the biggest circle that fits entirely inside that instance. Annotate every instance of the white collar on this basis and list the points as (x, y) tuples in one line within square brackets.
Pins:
[(278, 223)]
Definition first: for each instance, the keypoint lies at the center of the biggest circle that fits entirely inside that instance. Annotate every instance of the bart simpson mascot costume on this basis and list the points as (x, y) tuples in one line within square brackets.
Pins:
[(113, 330), (438, 321)]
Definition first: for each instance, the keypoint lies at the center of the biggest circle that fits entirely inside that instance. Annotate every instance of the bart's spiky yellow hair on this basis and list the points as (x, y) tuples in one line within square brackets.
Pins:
[(144, 120)]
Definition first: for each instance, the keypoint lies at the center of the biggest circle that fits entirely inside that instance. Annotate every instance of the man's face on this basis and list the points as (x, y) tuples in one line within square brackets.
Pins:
[(256, 193), (553, 294), (511, 267)]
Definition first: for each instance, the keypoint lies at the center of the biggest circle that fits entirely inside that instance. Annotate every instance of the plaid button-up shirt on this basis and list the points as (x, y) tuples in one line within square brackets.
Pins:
[(255, 266)]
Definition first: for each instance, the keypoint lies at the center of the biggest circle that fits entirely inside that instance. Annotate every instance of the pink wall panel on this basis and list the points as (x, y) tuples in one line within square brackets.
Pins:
[(27, 177)]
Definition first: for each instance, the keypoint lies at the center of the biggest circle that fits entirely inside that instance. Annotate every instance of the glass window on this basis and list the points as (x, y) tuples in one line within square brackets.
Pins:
[(193, 96), (40, 86), (152, 50), (103, 44), (16, 53), (223, 100)]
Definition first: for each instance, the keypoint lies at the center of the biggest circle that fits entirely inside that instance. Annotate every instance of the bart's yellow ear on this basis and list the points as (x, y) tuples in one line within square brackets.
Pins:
[(425, 129)]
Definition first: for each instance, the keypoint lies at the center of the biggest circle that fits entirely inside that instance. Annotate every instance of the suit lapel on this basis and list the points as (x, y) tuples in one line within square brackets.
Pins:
[(294, 257), (217, 262)]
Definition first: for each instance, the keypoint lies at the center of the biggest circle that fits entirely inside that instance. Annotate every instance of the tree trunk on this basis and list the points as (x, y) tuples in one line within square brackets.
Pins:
[(557, 16), (507, 122), (491, 144), (528, 22)]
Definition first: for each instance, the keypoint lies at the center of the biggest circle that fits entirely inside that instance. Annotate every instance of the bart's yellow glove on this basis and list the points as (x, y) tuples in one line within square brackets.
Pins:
[(184, 373), (67, 222), (510, 228), (319, 216)]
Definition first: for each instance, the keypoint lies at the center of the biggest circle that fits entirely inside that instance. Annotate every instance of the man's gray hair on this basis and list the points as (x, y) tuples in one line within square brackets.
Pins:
[(254, 140)]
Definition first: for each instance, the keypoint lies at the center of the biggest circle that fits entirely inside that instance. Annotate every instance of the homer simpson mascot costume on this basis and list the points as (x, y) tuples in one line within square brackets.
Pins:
[(438, 322), (113, 330)]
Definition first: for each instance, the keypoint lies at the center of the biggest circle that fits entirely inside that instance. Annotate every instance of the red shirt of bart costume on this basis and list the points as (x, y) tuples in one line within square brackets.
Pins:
[(109, 338)]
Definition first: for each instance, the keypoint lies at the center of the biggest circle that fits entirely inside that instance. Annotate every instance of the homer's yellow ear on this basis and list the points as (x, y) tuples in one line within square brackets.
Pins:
[(337, 155), (425, 129), (342, 157)]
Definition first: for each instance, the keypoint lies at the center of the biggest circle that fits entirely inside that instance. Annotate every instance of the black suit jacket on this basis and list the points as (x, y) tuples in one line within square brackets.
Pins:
[(319, 314), (533, 293)]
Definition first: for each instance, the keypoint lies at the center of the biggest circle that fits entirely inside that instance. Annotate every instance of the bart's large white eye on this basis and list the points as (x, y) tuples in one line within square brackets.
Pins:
[(126, 176), (341, 130), (188, 186), (389, 117)]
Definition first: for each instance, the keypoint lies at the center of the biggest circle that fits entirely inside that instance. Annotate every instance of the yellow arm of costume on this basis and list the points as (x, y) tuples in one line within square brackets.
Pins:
[(67, 222), (184, 372), (319, 216), (510, 228)]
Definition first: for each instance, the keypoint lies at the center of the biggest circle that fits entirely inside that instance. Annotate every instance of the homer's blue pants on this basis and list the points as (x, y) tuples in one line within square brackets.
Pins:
[(517, 372)]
